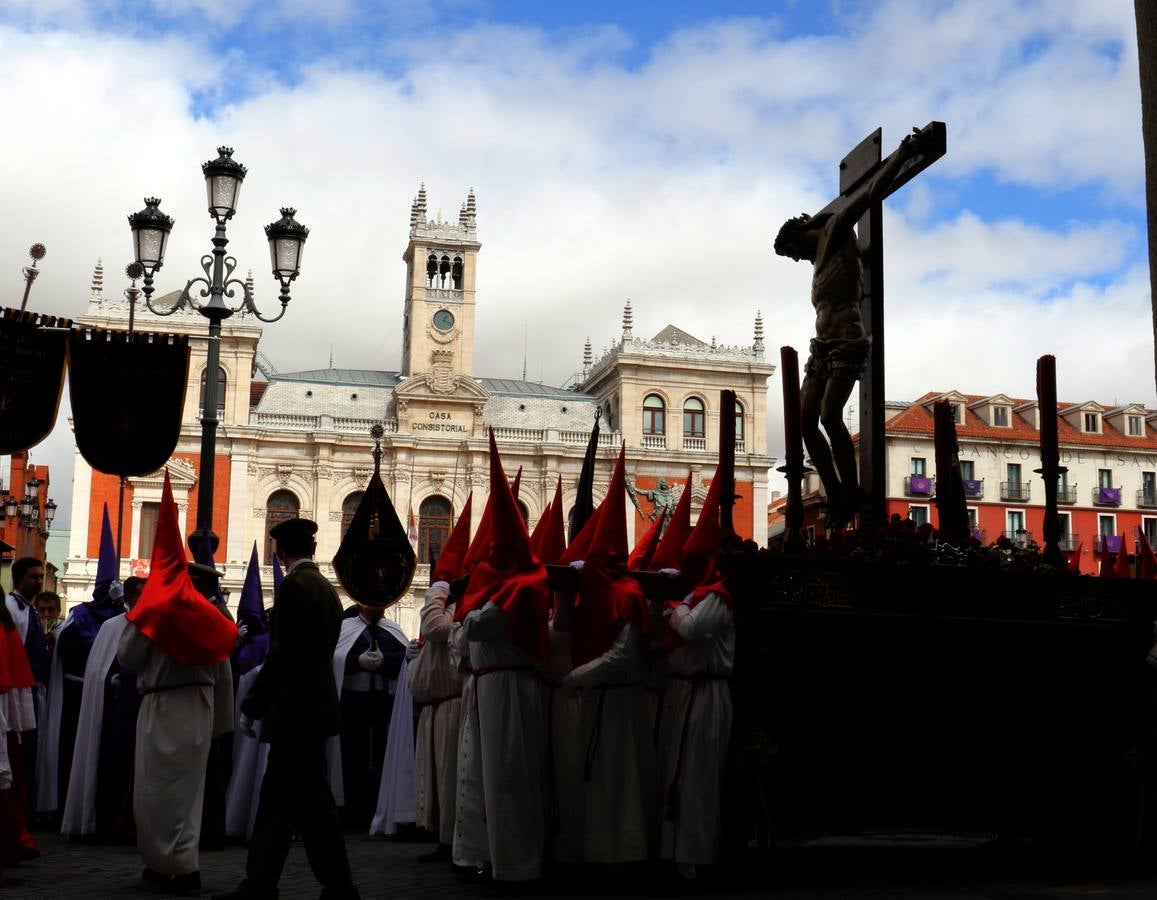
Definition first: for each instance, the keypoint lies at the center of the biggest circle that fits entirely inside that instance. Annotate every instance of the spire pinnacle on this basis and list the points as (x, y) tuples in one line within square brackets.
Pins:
[(98, 281), (418, 207), (628, 321), (758, 345)]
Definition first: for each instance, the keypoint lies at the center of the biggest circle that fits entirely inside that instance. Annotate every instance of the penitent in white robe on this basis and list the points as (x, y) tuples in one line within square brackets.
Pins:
[(617, 757), (249, 759), (396, 793), (436, 682), (351, 630), (501, 754), (694, 726), (565, 756), (80, 805), (182, 709)]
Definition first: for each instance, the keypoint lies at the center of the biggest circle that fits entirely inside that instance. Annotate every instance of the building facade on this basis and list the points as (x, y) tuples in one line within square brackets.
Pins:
[(1106, 497), (297, 443)]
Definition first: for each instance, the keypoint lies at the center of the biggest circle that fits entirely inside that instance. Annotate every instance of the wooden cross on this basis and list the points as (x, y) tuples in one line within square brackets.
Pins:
[(856, 171)]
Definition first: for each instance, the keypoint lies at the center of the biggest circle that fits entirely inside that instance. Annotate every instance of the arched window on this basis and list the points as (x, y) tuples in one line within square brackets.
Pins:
[(739, 423), (348, 508), (694, 419), (281, 505), (456, 273), (523, 511), (431, 269), (222, 379), (654, 415), (434, 520), (443, 270)]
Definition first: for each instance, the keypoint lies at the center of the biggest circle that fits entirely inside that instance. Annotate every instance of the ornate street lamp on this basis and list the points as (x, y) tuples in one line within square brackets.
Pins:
[(49, 512), (11, 506), (151, 227)]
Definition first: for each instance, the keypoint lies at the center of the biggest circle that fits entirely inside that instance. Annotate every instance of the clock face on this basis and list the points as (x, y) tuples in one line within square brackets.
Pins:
[(443, 320)]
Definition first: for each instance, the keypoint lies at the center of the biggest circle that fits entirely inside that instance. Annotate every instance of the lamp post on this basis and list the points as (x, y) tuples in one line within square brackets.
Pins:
[(151, 228)]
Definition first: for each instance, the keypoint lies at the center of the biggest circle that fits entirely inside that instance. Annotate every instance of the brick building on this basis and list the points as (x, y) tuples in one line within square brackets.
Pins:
[(297, 443), (1107, 496)]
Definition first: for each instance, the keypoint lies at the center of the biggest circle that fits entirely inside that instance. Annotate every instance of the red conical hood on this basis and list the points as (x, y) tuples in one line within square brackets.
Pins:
[(701, 551), (511, 577), (449, 564), (582, 542), (170, 611), (1146, 561), (480, 546), (640, 558), (554, 541), (609, 543), (516, 485), (1121, 564), (678, 530), (1075, 562)]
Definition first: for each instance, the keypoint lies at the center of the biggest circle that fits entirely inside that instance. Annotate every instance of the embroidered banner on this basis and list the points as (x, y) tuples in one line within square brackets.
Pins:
[(128, 398), (375, 562), (32, 376)]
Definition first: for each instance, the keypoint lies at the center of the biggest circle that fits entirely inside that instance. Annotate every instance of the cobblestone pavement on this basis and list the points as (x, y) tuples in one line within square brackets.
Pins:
[(916, 869)]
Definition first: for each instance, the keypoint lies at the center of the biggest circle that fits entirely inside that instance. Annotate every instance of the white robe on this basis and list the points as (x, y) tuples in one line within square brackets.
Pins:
[(563, 710), (80, 805), (174, 730), (696, 713), (617, 760), (249, 759), (396, 795), (501, 785), (351, 630), (48, 742), (436, 753), (27, 618)]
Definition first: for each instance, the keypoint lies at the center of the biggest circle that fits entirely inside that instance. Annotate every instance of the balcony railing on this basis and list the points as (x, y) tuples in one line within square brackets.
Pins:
[(974, 488), (1016, 491), (739, 446), (654, 442), (1067, 494), (698, 444), (1146, 499), (1069, 542), (918, 486), (1108, 543), (1019, 536), (1106, 496)]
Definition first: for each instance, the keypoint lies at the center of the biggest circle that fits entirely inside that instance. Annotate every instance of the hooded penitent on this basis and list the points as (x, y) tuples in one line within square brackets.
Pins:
[(171, 612), (510, 576), (640, 558), (699, 561), (88, 617), (678, 530), (607, 596), (449, 565), (549, 539), (251, 613)]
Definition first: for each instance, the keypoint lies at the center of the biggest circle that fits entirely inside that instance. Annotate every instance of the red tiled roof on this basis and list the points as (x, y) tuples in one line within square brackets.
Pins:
[(917, 419), (257, 391)]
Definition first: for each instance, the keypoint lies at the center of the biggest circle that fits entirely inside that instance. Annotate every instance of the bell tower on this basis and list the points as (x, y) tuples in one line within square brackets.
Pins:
[(438, 330)]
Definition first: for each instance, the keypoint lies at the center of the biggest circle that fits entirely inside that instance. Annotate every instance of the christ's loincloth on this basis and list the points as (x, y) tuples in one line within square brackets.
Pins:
[(837, 357)]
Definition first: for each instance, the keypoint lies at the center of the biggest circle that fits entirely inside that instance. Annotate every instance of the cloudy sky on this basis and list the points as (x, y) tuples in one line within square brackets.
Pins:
[(618, 150)]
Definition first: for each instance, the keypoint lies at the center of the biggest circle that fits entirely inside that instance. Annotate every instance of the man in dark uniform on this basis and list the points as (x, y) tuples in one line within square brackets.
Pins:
[(295, 697)]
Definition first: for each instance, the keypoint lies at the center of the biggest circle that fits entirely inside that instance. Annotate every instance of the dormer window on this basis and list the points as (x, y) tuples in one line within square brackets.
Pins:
[(957, 413), (1000, 417), (1092, 423), (1136, 426)]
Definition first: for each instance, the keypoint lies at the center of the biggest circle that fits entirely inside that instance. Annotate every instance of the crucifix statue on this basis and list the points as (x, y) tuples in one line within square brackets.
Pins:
[(848, 294)]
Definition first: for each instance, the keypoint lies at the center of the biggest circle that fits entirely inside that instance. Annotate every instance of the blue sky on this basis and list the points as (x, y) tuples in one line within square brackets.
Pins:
[(617, 150)]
